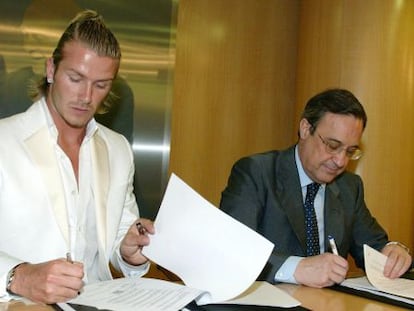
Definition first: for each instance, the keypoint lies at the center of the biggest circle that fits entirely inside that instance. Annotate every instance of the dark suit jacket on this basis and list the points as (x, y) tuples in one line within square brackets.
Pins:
[(264, 193)]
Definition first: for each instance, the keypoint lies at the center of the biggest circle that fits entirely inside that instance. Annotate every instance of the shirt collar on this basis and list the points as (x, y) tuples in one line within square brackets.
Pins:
[(91, 127), (303, 177)]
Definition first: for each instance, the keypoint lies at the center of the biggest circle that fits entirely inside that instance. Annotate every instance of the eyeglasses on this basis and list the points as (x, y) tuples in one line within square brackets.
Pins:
[(335, 147)]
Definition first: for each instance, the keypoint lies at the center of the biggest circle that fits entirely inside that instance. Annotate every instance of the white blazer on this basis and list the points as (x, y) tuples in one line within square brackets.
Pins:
[(33, 219)]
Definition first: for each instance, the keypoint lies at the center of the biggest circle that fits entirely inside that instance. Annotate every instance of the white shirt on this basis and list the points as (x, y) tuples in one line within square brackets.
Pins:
[(83, 242), (80, 206), (287, 270)]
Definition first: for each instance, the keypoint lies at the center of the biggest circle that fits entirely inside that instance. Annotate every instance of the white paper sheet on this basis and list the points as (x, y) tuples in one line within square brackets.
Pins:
[(374, 266), (133, 293), (264, 294), (205, 247), (362, 284)]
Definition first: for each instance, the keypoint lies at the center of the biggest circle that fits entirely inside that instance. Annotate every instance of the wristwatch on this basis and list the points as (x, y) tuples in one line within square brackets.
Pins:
[(10, 277)]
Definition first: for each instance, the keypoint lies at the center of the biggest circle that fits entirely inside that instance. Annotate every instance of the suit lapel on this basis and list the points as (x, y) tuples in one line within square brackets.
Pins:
[(40, 147), (289, 190), (288, 187), (100, 171), (334, 225)]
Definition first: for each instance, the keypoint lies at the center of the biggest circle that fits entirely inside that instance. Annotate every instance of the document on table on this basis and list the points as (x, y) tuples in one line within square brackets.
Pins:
[(130, 294), (376, 283), (374, 266), (134, 293), (206, 248)]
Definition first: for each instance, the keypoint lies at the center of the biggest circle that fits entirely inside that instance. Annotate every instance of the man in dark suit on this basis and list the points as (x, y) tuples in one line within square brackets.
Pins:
[(267, 192)]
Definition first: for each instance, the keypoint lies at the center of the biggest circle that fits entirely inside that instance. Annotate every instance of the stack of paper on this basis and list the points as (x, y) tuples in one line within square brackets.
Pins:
[(376, 283)]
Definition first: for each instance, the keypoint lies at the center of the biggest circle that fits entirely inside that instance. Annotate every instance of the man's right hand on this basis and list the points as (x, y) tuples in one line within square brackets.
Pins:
[(322, 270), (49, 282)]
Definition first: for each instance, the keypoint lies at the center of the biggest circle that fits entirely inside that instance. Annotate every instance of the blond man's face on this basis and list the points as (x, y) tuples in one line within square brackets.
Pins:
[(81, 82)]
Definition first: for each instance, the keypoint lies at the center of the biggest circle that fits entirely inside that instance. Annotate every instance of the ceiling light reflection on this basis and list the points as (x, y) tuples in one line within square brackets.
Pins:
[(150, 148)]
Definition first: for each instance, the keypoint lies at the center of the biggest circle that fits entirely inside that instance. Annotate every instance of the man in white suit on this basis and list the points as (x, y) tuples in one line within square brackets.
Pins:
[(67, 208)]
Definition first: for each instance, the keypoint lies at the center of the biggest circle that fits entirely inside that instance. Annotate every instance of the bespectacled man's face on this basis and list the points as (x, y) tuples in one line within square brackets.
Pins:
[(319, 163)]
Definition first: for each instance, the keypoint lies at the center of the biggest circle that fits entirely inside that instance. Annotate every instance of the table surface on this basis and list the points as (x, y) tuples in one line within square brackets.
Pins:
[(327, 300), (311, 298)]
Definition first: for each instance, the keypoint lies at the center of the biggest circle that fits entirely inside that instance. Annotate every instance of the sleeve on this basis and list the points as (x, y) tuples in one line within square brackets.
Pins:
[(245, 199), (7, 263), (130, 270), (130, 213), (365, 228), (241, 198), (286, 272)]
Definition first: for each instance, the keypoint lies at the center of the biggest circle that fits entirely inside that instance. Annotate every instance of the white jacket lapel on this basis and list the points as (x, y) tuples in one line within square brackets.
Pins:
[(41, 148), (100, 169)]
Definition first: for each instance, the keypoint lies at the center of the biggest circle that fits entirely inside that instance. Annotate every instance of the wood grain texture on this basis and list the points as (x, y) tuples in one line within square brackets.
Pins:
[(367, 47), (245, 69), (233, 87)]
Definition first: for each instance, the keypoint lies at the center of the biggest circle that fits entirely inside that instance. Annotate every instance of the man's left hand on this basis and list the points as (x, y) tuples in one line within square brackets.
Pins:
[(135, 239), (398, 261)]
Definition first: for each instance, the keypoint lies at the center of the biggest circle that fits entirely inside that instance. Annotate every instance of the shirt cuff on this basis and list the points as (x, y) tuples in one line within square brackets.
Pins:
[(399, 244), (130, 270), (286, 272)]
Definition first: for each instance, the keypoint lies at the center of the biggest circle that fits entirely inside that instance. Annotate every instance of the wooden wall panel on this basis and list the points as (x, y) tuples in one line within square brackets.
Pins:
[(244, 70), (368, 47), (233, 88)]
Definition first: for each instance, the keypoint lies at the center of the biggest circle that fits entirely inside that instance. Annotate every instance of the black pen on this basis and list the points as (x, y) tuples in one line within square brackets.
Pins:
[(69, 257), (141, 229)]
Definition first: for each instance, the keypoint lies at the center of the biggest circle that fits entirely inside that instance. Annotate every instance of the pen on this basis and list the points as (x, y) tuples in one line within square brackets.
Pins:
[(333, 245), (141, 229), (69, 257)]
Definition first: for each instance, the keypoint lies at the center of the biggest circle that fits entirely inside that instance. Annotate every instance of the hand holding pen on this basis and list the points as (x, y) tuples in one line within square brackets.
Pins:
[(322, 270), (137, 237), (48, 282)]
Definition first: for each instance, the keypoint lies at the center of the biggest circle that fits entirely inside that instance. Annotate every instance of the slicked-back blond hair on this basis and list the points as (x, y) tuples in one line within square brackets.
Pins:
[(88, 28)]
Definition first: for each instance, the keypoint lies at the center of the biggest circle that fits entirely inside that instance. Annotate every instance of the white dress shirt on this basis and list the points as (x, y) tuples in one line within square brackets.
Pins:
[(287, 270), (80, 205)]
